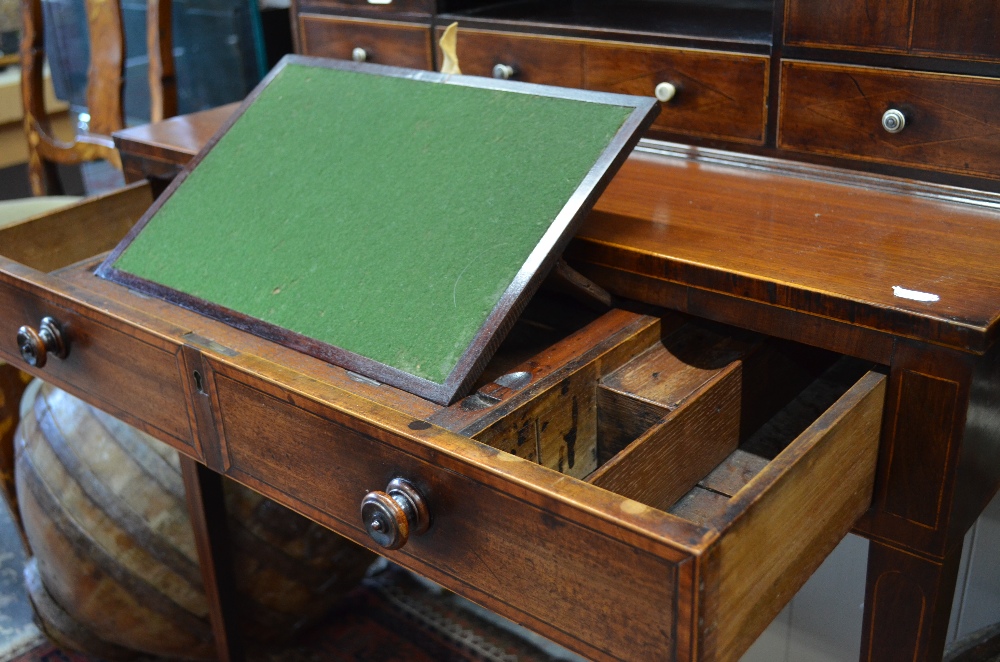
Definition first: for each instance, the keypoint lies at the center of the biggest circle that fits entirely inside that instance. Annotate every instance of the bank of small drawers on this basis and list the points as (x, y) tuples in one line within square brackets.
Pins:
[(718, 95), (393, 43), (952, 123)]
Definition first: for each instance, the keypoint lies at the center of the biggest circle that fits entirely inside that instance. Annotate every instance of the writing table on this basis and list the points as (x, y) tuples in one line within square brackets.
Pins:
[(897, 274)]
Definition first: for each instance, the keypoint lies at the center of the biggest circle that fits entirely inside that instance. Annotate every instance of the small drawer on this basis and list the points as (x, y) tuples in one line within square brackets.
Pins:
[(424, 7), (712, 95), (687, 474), (532, 59), (715, 95), (133, 374), (949, 123), (381, 42)]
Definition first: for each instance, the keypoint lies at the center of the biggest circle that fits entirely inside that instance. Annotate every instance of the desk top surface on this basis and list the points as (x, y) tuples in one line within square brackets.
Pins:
[(883, 254), (905, 258)]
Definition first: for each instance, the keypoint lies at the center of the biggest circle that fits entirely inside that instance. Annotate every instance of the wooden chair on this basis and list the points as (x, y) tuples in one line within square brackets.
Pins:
[(105, 80)]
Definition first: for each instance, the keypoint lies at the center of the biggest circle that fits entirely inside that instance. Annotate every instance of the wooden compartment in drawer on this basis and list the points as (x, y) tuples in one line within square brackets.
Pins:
[(384, 42), (952, 123), (104, 351), (718, 95), (607, 488)]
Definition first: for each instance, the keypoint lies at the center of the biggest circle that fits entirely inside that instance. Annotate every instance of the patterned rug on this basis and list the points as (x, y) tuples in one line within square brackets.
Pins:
[(392, 617), (17, 630)]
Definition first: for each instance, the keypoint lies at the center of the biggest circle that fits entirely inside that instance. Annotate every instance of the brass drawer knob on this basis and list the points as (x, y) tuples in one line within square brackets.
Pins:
[(665, 91), (503, 71), (893, 121), (391, 517), (35, 346), (359, 55)]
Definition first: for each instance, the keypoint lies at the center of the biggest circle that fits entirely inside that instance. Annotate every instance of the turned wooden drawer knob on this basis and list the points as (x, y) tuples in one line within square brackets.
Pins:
[(893, 121), (391, 517), (359, 55), (665, 92), (35, 346), (503, 71)]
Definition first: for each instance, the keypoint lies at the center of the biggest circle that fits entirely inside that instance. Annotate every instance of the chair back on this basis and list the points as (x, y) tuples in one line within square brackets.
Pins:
[(105, 81)]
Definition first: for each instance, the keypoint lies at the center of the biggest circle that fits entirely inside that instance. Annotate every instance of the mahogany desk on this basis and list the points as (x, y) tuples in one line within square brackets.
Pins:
[(898, 273)]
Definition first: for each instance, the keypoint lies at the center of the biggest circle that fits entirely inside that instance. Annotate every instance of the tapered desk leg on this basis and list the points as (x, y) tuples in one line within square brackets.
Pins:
[(907, 605), (208, 518)]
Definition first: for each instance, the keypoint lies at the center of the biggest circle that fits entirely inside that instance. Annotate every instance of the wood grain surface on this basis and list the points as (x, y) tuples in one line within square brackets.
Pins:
[(75, 233), (819, 485), (952, 122), (664, 464), (386, 42), (965, 29), (878, 24), (817, 247), (534, 59), (719, 95)]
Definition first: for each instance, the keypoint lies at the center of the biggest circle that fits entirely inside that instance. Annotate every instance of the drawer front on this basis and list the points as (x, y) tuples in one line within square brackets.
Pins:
[(966, 29), (135, 376), (513, 556), (718, 95), (388, 7), (866, 24), (384, 42), (542, 60), (952, 123), (513, 543)]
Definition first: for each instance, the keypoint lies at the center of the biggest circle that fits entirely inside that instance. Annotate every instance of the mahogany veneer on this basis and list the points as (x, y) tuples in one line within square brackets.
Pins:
[(812, 254), (512, 530), (831, 249), (384, 42), (719, 95), (952, 122), (734, 64)]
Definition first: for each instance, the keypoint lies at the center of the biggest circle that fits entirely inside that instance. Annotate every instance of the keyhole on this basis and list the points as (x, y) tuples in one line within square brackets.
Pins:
[(199, 384)]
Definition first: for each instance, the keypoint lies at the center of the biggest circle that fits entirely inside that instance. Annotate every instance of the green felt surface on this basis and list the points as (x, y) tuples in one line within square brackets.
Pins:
[(381, 215)]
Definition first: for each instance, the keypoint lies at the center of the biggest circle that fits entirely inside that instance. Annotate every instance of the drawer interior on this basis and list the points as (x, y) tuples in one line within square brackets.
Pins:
[(679, 419), (768, 445), (59, 239)]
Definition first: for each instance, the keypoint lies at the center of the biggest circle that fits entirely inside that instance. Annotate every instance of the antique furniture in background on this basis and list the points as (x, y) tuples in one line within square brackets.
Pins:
[(105, 83), (907, 87)]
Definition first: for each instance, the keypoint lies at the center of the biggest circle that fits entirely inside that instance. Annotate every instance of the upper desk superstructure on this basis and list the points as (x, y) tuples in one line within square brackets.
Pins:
[(905, 87)]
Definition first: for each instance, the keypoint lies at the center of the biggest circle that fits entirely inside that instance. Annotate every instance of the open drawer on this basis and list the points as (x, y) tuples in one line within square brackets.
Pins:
[(633, 486), (103, 350)]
